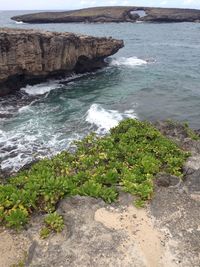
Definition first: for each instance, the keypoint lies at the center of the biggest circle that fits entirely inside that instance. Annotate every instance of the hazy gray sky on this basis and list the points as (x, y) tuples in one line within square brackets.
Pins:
[(72, 4)]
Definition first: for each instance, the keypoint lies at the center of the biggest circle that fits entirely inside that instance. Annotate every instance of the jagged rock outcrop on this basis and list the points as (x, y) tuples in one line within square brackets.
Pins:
[(114, 14), (29, 56)]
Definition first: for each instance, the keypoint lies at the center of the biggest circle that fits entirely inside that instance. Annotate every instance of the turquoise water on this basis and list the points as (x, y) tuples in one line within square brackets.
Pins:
[(155, 76)]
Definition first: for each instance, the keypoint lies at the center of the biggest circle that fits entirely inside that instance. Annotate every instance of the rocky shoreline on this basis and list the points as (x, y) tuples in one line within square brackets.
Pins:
[(113, 14), (30, 56), (165, 233)]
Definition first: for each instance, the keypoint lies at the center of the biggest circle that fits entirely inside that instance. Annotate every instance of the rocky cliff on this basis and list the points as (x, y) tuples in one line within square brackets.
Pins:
[(29, 56), (114, 14)]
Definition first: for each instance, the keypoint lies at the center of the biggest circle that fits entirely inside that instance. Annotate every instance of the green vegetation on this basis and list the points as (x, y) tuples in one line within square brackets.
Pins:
[(186, 130), (54, 223), (19, 264), (191, 133), (22, 262), (129, 157)]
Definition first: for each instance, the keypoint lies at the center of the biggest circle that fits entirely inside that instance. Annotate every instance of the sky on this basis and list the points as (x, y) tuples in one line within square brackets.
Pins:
[(73, 4)]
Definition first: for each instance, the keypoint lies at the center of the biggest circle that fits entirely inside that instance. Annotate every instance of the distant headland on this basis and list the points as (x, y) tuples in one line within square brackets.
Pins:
[(114, 14)]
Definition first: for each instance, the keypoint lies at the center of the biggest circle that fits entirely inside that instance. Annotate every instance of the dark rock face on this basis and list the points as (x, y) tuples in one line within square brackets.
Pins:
[(166, 180), (114, 14), (29, 56)]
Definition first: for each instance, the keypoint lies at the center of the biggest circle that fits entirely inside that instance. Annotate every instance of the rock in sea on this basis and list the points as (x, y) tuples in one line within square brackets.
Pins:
[(32, 56)]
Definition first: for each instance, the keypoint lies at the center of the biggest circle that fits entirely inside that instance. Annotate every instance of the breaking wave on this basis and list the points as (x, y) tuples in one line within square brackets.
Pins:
[(105, 119), (130, 61), (19, 22), (46, 87), (41, 89)]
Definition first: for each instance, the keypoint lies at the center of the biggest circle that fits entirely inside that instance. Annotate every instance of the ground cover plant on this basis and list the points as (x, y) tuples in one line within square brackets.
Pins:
[(128, 158), (53, 223)]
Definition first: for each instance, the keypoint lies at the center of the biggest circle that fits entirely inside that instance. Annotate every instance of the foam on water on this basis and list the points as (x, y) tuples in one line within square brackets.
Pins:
[(105, 119), (34, 139), (46, 87), (25, 109), (167, 89), (19, 22), (26, 144), (130, 62), (41, 89), (6, 110)]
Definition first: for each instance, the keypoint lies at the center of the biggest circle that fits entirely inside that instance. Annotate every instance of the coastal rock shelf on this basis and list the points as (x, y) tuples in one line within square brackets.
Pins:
[(30, 56), (114, 14)]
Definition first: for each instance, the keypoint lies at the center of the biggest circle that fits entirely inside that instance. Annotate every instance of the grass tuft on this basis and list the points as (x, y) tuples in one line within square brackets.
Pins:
[(53, 223)]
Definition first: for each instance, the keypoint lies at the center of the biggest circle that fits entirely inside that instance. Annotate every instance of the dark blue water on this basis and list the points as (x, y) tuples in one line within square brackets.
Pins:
[(155, 76)]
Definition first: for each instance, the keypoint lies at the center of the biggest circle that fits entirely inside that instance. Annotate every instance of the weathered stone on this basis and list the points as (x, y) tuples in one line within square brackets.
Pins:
[(193, 182), (197, 132), (192, 164), (30, 56), (180, 134), (114, 14), (177, 211), (174, 130), (191, 145), (97, 234), (177, 208), (165, 180)]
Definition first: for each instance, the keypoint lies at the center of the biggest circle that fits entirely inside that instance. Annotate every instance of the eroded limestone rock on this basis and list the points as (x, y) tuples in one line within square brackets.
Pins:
[(30, 56)]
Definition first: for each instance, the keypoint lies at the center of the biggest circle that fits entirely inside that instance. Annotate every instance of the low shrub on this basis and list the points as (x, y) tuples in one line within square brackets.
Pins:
[(53, 223), (128, 157)]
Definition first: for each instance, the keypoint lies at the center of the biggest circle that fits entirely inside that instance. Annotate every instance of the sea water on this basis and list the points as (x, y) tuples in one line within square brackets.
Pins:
[(155, 76)]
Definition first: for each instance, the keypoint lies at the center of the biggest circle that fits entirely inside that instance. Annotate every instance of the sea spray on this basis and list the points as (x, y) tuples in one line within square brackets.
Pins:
[(104, 119), (130, 61), (35, 139)]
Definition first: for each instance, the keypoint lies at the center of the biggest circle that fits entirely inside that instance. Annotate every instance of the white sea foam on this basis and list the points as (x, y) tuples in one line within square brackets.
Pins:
[(25, 109), (22, 146), (130, 61), (35, 138), (41, 89), (104, 119), (6, 110), (19, 22), (73, 77)]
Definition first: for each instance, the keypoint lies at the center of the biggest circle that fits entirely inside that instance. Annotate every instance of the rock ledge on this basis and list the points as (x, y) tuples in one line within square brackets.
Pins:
[(30, 56)]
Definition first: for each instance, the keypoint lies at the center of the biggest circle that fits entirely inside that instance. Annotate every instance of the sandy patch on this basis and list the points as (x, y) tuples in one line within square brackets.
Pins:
[(148, 242), (12, 249)]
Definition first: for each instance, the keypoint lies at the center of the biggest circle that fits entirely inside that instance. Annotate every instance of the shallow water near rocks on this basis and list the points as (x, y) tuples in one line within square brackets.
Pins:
[(155, 76)]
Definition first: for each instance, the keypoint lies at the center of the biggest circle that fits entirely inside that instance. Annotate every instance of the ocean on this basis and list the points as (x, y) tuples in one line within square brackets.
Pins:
[(155, 76)]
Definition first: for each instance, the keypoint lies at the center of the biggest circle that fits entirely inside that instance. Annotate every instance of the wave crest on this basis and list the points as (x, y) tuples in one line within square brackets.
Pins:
[(104, 119), (40, 89), (19, 22), (130, 61)]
